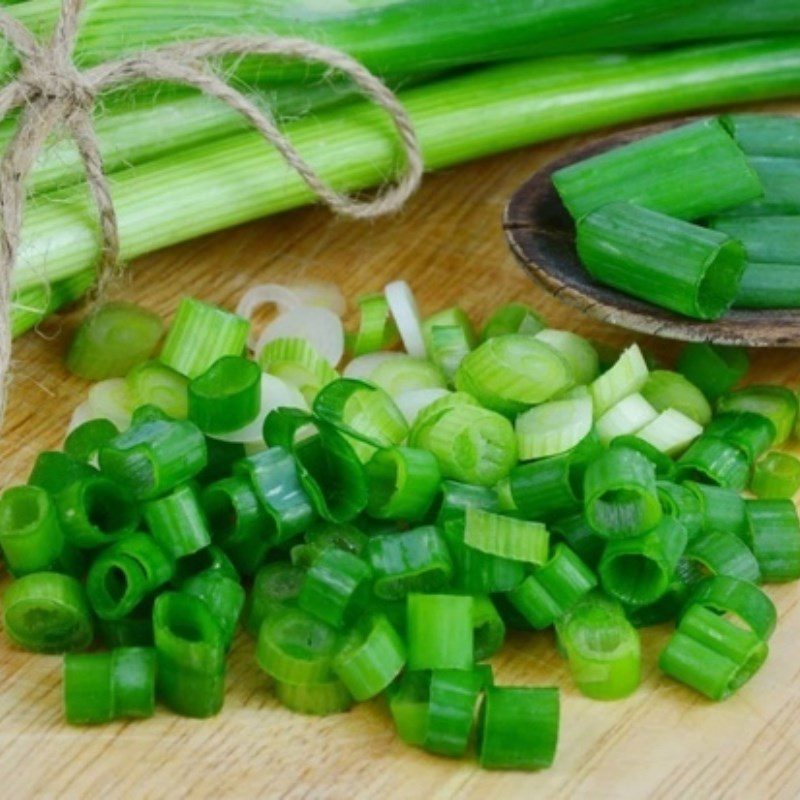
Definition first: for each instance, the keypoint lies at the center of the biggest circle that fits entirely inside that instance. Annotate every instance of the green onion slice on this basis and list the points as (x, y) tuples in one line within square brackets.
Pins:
[(776, 476), (628, 416), (666, 390), (512, 318), (297, 363), (671, 432), (714, 369), (722, 553), (777, 403), (627, 376), (553, 427), (506, 537), (773, 533)]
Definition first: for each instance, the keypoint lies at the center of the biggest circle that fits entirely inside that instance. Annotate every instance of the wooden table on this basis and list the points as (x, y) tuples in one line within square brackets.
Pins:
[(665, 741)]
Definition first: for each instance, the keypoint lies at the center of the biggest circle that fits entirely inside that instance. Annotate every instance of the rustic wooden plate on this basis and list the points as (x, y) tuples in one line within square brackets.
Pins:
[(542, 236)]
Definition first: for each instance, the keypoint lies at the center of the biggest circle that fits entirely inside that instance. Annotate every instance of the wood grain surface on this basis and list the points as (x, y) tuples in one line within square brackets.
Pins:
[(663, 742)]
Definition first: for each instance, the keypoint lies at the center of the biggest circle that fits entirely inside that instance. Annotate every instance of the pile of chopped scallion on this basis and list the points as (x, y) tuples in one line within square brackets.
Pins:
[(377, 530), (696, 219)]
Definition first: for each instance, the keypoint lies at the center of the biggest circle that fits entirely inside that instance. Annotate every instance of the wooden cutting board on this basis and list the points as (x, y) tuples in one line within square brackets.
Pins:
[(663, 742)]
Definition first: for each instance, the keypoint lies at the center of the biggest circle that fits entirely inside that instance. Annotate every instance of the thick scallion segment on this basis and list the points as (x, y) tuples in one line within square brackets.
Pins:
[(666, 390), (553, 427), (723, 553), (99, 687), (664, 465), (776, 403), (275, 479), (488, 628), (544, 488), (506, 537), (665, 261), (669, 605), (336, 587), (458, 497), (112, 340), (209, 559), (769, 286), (177, 522), (408, 704), (602, 648), (712, 460), (31, 539), (95, 511), (518, 728), (510, 373), (688, 172), (578, 535), (512, 318), (726, 595), (711, 654), (226, 396), (275, 586), (722, 509), (47, 612), (296, 362), (624, 418), (683, 505), (54, 472), (578, 352), (752, 433), (409, 561), (439, 632), (224, 596), (201, 334), (83, 442), (671, 432), (767, 240), (371, 656), (452, 701), (628, 375), (553, 589), (713, 369), (156, 384), (190, 655), (638, 571), (376, 329), (765, 134), (776, 476), (621, 497), (153, 457), (773, 533), (403, 483), (319, 699), (779, 178), (125, 573)]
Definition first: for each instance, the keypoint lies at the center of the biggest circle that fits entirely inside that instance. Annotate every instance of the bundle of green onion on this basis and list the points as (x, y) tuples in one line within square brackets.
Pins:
[(378, 530), (696, 219)]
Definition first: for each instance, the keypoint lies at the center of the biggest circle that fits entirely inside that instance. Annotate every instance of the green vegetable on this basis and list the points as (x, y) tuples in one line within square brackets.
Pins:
[(439, 631), (665, 390), (777, 403), (226, 396), (778, 177), (713, 369), (773, 533), (30, 536), (776, 476)]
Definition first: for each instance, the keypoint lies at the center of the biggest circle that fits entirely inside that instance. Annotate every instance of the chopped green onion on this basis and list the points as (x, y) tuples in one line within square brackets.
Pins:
[(336, 587), (201, 334), (458, 497), (712, 368), (505, 537), (190, 655), (409, 561), (82, 443), (112, 340), (376, 329), (509, 373), (664, 465), (602, 648), (224, 597), (370, 657), (726, 595), (403, 483), (297, 363), (226, 396), (488, 628), (99, 687), (779, 177), (722, 509), (31, 539), (408, 703), (626, 376), (711, 654), (209, 559), (723, 553), (47, 613), (449, 336), (668, 606), (689, 172), (553, 589), (439, 632), (518, 728), (666, 390), (638, 571), (712, 460), (153, 457), (156, 384), (769, 286), (402, 373), (624, 418), (112, 399), (579, 537), (776, 476), (671, 432), (177, 522), (544, 488), (621, 498), (578, 352), (275, 586), (324, 535), (764, 134), (133, 631), (553, 427), (54, 472), (452, 702), (405, 313), (752, 433), (683, 505), (320, 699), (773, 533), (512, 318), (777, 403), (767, 240), (665, 261)]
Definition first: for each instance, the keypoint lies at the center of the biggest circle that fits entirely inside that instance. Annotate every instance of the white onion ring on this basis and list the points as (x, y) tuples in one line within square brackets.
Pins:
[(405, 312), (320, 327), (361, 367), (411, 403), (264, 294)]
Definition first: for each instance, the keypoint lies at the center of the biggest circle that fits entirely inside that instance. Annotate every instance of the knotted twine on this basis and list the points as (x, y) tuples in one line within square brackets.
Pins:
[(52, 93)]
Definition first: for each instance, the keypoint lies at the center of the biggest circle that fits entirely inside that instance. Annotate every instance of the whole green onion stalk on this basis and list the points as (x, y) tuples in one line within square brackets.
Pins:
[(459, 118)]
